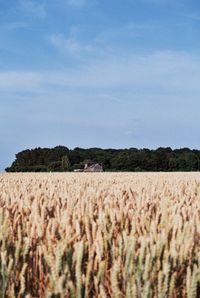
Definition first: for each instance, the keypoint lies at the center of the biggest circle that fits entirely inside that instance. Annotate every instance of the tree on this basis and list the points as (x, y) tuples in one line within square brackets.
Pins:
[(65, 163), (61, 159)]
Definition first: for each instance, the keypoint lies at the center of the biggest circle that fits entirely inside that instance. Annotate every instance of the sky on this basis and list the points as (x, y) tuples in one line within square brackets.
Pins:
[(99, 73)]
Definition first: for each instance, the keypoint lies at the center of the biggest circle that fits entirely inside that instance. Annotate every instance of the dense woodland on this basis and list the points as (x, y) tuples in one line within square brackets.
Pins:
[(61, 159)]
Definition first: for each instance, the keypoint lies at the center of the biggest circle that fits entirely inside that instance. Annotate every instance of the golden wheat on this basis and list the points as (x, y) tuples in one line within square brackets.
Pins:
[(100, 235)]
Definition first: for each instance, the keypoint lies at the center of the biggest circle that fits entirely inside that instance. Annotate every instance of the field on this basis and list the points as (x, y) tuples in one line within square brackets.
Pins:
[(100, 235)]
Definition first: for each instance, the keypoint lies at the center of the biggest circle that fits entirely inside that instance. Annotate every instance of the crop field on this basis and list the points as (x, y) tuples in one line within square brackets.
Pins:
[(100, 235)]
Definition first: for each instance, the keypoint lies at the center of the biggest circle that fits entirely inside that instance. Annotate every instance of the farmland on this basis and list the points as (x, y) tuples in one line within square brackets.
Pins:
[(100, 235)]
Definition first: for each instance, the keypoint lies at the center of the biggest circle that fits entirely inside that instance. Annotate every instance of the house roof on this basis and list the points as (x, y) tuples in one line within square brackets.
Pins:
[(94, 167)]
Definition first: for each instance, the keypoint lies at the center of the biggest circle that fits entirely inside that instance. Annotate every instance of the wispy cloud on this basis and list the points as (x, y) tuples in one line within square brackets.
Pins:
[(76, 3), (14, 26), (192, 16), (128, 132), (13, 81), (34, 8), (169, 71), (160, 2), (124, 32), (106, 42), (162, 72), (70, 44)]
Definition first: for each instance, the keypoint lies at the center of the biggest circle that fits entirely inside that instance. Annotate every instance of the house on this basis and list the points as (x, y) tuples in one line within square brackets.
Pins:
[(91, 168)]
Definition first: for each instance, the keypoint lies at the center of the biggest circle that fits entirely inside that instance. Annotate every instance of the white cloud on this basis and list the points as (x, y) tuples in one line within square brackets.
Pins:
[(166, 71), (73, 43), (70, 45), (107, 43), (159, 73), (33, 7)]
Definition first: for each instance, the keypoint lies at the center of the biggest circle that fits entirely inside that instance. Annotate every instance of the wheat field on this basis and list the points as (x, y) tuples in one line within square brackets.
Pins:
[(100, 235)]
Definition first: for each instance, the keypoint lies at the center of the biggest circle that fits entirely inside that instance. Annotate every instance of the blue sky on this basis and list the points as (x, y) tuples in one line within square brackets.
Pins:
[(99, 73)]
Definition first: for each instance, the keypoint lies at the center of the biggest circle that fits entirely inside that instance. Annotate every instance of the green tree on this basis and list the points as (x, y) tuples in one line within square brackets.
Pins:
[(65, 163)]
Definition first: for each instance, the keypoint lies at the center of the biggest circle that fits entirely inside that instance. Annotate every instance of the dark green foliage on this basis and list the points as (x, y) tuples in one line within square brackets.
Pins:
[(61, 159), (55, 166), (65, 163)]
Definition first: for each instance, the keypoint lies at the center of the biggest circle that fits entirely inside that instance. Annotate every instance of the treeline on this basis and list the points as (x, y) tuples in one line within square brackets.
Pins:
[(61, 159)]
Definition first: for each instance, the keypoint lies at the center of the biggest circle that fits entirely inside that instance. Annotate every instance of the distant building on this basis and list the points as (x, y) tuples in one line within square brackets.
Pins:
[(91, 168)]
